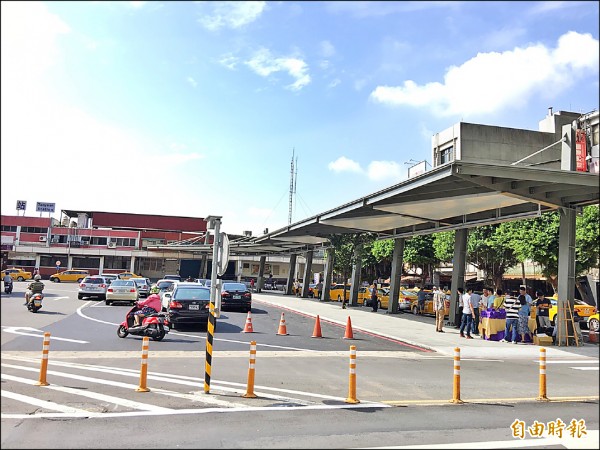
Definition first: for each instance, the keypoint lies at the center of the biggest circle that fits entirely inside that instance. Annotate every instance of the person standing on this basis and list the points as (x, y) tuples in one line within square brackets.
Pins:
[(475, 300), (252, 284), (459, 309), (374, 299), (467, 315), (439, 306), (523, 326), (487, 299), (543, 310), (523, 291), (421, 301), (511, 305)]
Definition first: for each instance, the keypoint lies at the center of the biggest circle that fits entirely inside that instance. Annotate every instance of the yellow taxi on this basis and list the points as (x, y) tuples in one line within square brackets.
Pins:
[(414, 307), (127, 275), (383, 298), (593, 322), (76, 275), (18, 274), (581, 308), (337, 291)]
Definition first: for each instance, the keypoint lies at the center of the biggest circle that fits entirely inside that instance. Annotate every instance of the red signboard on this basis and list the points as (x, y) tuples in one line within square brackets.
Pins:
[(580, 151)]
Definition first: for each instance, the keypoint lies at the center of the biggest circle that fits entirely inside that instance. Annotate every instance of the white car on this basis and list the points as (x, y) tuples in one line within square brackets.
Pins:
[(122, 291), (93, 286)]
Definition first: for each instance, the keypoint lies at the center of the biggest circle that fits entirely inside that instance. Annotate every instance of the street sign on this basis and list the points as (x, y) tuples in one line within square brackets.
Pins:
[(57, 266), (21, 205), (223, 255), (44, 207)]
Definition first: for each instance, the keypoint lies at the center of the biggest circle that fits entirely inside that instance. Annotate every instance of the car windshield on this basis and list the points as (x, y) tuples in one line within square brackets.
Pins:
[(190, 293), (164, 284), (234, 287), (139, 281), (94, 280), (123, 283)]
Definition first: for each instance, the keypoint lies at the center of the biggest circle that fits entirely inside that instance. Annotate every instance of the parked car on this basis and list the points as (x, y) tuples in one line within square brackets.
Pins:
[(18, 274), (189, 304), (383, 299), (69, 275), (236, 296), (582, 309), (337, 291), (122, 291), (172, 277), (110, 277), (429, 305), (93, 286), (593, 322), (127, 275), (143, 286)]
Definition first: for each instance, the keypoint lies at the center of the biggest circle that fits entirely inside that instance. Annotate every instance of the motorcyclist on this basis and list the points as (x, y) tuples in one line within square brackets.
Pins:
[(150, 305), (35, 287), (7, 279)]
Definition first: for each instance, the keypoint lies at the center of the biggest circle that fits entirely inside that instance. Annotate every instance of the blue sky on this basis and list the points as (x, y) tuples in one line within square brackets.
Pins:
[(194, 108)]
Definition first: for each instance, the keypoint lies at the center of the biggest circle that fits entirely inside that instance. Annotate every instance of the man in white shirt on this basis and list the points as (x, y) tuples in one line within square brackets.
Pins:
[(468, 314)]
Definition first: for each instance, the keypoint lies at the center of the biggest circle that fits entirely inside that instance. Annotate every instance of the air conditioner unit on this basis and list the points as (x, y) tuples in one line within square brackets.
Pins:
[(43, 238), (112, 245)]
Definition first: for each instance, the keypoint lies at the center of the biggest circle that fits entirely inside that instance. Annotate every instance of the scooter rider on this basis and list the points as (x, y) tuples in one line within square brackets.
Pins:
[(35, 287), (150, 305), (7, 279)]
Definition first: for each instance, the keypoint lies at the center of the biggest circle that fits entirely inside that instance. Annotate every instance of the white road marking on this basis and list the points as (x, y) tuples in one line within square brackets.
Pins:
[(55, 298), (42, 403), (96, 396), (39, 334), (585, 368), (571, 361)]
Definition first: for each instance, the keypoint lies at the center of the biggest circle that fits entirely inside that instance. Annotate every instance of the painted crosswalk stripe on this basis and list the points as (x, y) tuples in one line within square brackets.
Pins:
[(41, 403)]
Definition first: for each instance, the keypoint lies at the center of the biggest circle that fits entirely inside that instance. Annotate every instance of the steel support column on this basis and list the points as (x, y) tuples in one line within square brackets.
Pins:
[(396, 280), (458, 274), (291, 273), (307, 271), (328, 274)]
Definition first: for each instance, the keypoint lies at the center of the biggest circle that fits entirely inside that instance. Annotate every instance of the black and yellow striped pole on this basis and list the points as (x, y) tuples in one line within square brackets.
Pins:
[(214, 222)]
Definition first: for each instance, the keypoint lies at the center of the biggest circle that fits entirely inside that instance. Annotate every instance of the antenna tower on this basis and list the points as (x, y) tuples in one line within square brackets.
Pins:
[(293, 176)]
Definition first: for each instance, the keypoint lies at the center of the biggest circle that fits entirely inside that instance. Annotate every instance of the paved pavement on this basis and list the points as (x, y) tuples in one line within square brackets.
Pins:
[(420, 332)]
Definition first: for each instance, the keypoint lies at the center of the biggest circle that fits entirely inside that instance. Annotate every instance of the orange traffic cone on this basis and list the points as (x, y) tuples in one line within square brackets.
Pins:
[(248, 327), (317, 330), (282, 331), (349, 334)]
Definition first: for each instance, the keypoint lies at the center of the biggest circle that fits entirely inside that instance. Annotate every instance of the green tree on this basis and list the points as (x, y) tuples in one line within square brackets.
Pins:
[(419, 251), (344, 246)]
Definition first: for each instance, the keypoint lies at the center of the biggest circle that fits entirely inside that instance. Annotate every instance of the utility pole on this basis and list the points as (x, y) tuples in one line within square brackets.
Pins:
[(293, 176)]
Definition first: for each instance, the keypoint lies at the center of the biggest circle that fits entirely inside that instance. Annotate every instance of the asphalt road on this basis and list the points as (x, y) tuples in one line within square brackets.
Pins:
[(302, 386)]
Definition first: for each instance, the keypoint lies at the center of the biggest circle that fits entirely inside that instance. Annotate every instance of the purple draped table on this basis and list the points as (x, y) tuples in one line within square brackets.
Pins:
[(492, 324)]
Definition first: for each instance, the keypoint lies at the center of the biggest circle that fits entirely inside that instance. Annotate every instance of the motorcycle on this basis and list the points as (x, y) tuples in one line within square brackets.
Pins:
[(8, 287), (155, 326), (35, 302)]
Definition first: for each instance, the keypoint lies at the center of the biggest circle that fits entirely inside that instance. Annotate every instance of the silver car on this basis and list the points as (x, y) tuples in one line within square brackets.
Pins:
[(143, 286), (93, 286), (122, 291)]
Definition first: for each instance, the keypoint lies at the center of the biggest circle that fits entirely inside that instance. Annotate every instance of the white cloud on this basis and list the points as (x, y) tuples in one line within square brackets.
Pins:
[(384, 170), (192, 82), (494, 81), (231, 14), (334, 83), (265, 64), (70, 146), (137, 4), (343, 164), (327, 49), (229, 61)]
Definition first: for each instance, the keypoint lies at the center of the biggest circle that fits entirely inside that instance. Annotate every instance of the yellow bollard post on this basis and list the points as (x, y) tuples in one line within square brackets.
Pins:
[(250, 389), (542, 397), (456, 386), (352, 377), (44, 365), (144, 369)]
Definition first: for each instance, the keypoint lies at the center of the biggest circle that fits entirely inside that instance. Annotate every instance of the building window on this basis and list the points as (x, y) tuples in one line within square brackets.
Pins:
[(151, 264), (446, 155), (12, 228), (98, 241), (33, 230), (82, 262), (117, 262)]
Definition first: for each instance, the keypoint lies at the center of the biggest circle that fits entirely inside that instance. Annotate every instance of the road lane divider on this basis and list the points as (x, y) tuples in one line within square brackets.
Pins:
[(352, 376), (44, 363), (250, 388), (456, 385), (144, 367)]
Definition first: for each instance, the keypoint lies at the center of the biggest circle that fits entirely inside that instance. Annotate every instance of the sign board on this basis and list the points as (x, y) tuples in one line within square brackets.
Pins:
[(223, 255), (44, 207), (21, 205), (417, 169)]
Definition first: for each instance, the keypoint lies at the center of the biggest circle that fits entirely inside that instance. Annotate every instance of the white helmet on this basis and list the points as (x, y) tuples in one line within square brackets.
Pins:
[(38, 277)]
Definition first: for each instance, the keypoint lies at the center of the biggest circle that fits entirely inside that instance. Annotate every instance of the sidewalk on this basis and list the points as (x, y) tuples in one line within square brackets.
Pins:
[(414, 332)]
